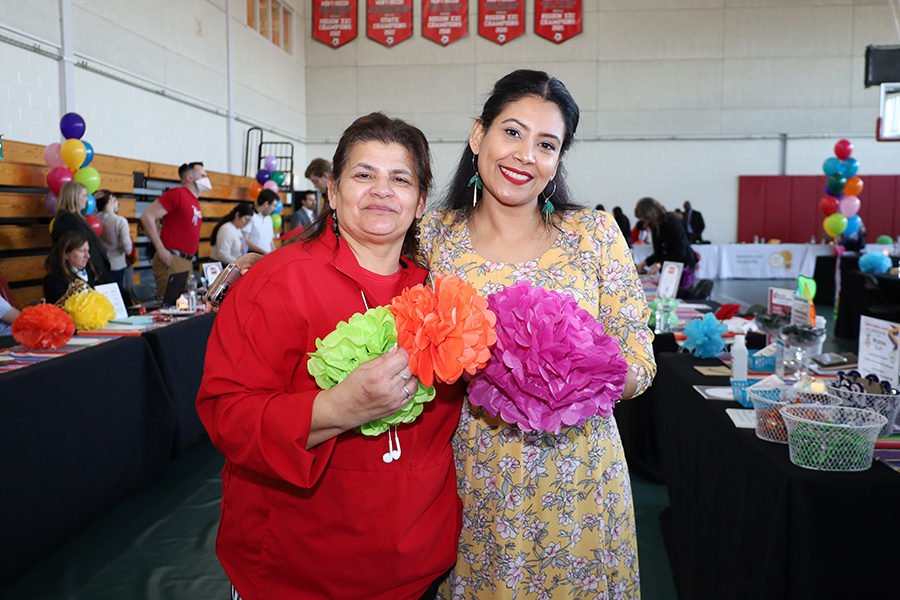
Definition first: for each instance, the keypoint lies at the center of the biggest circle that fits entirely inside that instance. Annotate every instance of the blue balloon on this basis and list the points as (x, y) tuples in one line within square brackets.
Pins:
[(91, 205), (278, 206), (832, 166), (875, 262), (263, 176), (90, 154), (853, 225), (849, 167), (71, 125)]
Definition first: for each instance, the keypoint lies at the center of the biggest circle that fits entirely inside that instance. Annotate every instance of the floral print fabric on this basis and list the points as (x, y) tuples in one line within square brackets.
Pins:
[(548, 516)]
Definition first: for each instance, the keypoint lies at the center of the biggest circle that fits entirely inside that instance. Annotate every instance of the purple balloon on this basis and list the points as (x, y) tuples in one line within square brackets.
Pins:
[(50, 200), (271, 163), (72, 126), (263, 176)]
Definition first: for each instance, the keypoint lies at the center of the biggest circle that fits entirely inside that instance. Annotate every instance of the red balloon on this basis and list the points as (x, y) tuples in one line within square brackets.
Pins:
[(843, 149), (829, 205), (58, 177), (95, 224)]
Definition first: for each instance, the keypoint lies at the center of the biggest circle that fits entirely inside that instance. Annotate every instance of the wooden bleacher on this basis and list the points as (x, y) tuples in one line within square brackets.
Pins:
[(24, 221)]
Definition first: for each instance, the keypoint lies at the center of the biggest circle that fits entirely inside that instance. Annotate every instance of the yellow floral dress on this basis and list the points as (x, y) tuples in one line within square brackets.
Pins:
[(548, 515)]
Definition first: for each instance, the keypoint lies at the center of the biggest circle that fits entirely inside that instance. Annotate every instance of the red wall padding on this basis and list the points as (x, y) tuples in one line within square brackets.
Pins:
[(786, 207)]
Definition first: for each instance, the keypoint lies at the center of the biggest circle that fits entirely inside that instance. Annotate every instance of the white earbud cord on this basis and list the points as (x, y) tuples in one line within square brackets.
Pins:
[(393, 453)]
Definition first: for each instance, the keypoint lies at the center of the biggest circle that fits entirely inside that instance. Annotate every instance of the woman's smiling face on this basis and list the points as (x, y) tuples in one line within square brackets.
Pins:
[(519, 154)]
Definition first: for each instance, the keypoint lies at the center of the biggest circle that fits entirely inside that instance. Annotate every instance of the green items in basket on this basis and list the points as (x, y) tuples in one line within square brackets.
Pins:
[(360, 339), (828, 449)]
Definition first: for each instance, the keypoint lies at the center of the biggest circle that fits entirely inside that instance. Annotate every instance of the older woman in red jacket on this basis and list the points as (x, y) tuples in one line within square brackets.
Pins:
[(310, 508)]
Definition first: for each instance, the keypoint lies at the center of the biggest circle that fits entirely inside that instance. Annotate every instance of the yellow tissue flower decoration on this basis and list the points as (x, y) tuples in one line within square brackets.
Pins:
[(89, 311)]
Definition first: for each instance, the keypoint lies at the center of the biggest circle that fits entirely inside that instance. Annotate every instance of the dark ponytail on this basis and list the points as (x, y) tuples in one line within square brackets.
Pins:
[(241, 210)]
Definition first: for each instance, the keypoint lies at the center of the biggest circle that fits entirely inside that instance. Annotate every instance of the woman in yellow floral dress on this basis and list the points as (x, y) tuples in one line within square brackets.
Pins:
[(545, 515)]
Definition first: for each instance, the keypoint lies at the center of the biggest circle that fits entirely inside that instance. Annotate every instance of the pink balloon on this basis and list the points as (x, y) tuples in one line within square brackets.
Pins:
[(849, 206), (50, 200), (53, 156), (271, 185)]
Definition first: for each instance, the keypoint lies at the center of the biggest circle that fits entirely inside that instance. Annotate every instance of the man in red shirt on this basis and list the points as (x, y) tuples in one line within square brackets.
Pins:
[(179, 210)]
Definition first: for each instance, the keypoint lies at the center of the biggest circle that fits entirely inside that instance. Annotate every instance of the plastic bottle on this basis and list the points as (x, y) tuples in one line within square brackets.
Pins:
[(659, 318), (755, 239), (192, 293), (812, 239), (739, 358), (820, 324)]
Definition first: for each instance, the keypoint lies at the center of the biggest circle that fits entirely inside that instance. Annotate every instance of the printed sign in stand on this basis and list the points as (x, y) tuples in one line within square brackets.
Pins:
[(501, 20), (557, 20), (669, 278), (388, 22), (444, 21), (334, 21), (879, 349)]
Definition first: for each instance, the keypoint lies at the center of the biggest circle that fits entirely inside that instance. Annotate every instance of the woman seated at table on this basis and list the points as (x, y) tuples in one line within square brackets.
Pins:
[(226, 239), (73, 200), (311, 508), (68, 261), (670, 241)]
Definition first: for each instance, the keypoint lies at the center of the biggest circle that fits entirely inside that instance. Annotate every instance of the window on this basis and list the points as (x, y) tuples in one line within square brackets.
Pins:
[(272, 20)]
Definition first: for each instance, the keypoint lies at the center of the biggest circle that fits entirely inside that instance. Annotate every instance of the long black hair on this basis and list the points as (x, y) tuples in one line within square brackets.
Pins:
[(241, 210), (511, 88)]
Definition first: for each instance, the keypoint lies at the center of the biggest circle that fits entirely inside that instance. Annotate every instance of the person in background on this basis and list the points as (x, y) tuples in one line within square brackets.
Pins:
[(856, 241), (73, 200), (639, 234), (311, 508), (69, 259), (8, 314), (624, 224), (599, 207), (178, 211), (670, 242), (227, 240), (319, 172), (305, 211), (693, 223), (115, 236), (260, 232)]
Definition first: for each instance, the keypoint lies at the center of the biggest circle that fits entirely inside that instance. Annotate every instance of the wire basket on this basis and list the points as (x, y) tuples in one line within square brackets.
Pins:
[(768, 402), (885, 405), (831, 438), (761, 363)]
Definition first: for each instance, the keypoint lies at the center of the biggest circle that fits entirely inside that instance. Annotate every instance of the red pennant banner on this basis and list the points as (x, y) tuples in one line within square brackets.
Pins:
[(445, 21), (388, 22), (501, 20), (334, 21), (557, 20)]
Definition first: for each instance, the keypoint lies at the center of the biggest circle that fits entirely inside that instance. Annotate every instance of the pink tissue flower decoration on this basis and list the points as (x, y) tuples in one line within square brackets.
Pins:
[(552, 365)]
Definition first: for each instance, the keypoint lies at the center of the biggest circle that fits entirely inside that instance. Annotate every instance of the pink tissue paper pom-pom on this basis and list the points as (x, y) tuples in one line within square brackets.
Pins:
[(552, 366)]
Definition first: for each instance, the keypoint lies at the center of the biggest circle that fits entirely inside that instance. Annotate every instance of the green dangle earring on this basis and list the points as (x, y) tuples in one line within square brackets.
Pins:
[(475, 180), (548, 209)]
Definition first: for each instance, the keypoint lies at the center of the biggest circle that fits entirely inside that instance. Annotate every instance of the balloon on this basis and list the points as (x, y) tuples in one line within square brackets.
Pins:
[(843, 149), (254, 189), (836, 184), (849, 167), (52, 156), (72, 126), (271, 163), (276, 222), (854, 186), (95, 224), (50, 227), (271, 185), (73, 153), (90, 154), (831, 166), (89, 178), (278, 206), (849, 206), (57, 177), (884, 239), (50, 200), (835, 224), (829, 205), (90, 206), (278, 177), (262, 176), (853, 225)]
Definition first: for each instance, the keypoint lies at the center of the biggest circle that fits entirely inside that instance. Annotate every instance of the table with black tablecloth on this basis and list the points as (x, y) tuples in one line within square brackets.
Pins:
[(744, 522), (871, 294)]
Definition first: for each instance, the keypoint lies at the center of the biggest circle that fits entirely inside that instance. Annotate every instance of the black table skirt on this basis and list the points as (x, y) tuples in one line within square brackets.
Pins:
[(77, 434), (744, 522)]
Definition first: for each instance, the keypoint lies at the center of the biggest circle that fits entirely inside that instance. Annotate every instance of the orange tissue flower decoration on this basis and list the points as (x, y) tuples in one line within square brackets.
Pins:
[(43, 326), (446, 331)]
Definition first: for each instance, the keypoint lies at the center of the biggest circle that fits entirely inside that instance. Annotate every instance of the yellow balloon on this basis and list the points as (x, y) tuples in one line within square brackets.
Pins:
[(73, 153), (51, 224)]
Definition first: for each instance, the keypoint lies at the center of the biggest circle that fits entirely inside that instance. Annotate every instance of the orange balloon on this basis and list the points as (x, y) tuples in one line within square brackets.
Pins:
[(255, 188), (854, 186)]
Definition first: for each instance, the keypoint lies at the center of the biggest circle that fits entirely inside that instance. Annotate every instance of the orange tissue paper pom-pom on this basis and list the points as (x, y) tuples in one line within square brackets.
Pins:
[(43, 326), (446, 331)]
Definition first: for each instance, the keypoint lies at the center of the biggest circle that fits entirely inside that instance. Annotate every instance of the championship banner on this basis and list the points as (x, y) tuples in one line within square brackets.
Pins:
[(501, 20), (334, 21), (388, 22), (445, 21), (557, 20)]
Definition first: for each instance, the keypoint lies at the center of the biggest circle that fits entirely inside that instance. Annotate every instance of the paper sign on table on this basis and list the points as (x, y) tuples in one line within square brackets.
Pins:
[(801, 310), (717, 371), (112, 293), (878, 349), (743, 418), (669, 279)]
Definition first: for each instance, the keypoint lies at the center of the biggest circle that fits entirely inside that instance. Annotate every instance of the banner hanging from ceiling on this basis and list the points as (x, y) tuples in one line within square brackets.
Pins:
[(445, 21), (501, 20), (388, 22), (334, 21), (557, 20)]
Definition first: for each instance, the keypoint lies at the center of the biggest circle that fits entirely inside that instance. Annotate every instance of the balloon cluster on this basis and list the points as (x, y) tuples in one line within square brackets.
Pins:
[(269, 178), (841, 203), (69, 162)]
